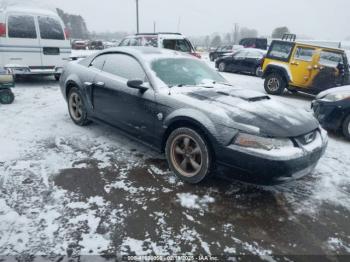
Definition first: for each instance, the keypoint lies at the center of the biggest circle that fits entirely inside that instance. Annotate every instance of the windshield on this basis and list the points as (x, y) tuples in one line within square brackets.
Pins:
[(185, 71)]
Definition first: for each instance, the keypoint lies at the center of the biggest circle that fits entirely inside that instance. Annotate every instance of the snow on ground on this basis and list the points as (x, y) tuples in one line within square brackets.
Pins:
[(69, 190)]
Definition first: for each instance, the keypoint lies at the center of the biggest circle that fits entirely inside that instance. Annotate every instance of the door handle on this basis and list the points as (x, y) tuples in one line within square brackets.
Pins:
[(99, 84)]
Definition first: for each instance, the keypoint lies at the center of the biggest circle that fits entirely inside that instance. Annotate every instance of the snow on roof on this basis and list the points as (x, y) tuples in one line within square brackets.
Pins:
[(30, 10)]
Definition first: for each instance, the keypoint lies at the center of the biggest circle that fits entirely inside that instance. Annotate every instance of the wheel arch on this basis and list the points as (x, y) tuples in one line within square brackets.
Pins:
[(277, 69), (186, 121)]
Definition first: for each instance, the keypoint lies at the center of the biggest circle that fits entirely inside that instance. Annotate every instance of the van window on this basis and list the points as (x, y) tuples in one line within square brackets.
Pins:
[(50, 28), (21, 26), (181, 45)]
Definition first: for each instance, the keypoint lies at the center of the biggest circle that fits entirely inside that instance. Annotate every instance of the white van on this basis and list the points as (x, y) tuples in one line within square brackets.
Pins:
[(33, 42)]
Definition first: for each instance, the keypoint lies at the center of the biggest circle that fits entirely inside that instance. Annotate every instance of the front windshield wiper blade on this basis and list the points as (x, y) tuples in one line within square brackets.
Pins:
[(222, 83)]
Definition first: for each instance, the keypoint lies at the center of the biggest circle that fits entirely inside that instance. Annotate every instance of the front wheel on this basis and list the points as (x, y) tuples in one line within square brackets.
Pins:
[(76, 107), (188, 155), (275, 84), (346, 127)]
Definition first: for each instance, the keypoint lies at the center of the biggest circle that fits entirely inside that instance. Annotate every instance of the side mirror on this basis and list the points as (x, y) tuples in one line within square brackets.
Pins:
[(137, 84)]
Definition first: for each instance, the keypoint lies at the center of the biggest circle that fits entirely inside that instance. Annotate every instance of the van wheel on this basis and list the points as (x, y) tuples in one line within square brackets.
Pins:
[(275, 84), (6, 96), (76, 107), (57, 77), (346, 127), (188, 155)]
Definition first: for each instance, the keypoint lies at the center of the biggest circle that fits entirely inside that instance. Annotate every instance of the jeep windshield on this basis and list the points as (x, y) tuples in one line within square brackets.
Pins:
[(185, 72)]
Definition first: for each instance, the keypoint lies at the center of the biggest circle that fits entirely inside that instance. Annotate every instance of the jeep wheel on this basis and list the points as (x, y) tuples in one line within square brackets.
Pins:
[(346, 128), (188, 155), (275, 84), (222, 67), (76, 107)]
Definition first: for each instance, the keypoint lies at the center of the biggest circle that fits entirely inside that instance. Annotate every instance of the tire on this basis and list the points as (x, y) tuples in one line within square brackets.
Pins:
[(188, 155), (76, 107), (346, 127), (275, 84), (6, 96), (57, 77), (222, 67)]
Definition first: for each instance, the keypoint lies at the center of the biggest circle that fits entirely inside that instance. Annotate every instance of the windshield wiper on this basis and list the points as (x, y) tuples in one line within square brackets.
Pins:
[(222, 83)]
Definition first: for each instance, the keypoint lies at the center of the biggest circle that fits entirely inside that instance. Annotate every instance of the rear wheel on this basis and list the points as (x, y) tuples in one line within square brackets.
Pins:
[(275, 84), (346, 127), (76, 107), (6, 96), (188, 155), (222, 67)]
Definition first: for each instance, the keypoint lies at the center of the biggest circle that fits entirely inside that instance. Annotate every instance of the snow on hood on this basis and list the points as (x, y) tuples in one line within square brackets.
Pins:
[(333, 90), (250, 108)]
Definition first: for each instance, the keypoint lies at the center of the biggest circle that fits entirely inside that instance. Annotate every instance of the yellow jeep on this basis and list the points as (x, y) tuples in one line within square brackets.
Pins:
[(303, 67)]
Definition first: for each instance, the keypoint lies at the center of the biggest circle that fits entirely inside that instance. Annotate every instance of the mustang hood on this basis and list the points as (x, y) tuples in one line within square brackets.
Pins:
[(253, 110)]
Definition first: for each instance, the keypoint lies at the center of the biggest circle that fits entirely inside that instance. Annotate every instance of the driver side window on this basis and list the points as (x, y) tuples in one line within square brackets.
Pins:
[(124, 66)]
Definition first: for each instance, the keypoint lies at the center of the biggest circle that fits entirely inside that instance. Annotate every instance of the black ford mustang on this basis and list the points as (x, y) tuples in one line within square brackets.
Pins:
[(178, 104)]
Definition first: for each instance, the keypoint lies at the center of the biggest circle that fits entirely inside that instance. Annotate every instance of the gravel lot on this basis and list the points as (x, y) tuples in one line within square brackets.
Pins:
[(69, 190)]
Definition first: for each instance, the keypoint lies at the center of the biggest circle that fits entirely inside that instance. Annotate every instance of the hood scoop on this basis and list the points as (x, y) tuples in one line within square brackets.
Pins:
[(245, 97)]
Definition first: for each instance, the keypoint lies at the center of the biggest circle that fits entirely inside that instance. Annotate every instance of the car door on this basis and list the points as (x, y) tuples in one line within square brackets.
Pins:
[(302, 65), (114, 102), (251, 61), (55, 48), (237, 60), (21, 48)]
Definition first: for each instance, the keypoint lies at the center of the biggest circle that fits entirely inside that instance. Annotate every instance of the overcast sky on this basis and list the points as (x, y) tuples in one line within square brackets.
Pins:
[(326, 19)]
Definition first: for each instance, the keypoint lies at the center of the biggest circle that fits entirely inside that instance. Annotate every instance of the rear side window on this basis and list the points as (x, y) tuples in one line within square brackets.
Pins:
[(21, 26), (304, 54), (124, 66), (181, 45), (280, 50), (98, 62), (331, 59), (50, 28)]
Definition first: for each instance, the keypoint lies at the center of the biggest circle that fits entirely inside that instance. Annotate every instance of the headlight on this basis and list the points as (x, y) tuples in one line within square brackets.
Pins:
[(337, 96), (258, 142)]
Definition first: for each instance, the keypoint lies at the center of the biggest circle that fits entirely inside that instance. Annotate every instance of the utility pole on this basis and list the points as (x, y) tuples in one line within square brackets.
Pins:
[(137, 17), (154, 26)]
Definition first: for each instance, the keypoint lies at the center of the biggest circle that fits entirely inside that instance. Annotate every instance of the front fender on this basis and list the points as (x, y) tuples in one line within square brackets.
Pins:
[(216, 133)]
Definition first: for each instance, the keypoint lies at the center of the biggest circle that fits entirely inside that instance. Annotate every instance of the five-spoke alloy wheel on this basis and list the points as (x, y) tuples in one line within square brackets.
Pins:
[(188, 155), (76, 107)]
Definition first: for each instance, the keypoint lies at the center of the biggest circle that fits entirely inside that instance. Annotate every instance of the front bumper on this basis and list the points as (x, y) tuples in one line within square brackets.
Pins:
[(329, 114), (266, 167)]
